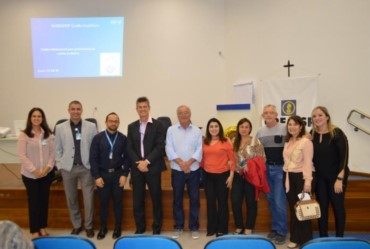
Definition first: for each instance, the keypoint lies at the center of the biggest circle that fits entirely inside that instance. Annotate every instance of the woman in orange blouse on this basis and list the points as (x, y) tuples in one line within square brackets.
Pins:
[(36, 152), (219, 166)]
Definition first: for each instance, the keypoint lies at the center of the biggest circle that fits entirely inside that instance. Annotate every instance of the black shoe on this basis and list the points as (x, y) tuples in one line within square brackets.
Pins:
[(76, 231), (90, 233), (156, 232), (210, 234), (116, 233), (102, 233), (140, 231)]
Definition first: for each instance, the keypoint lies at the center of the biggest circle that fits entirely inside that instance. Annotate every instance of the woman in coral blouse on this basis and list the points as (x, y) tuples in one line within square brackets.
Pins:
[(219, 166), (36, 152)]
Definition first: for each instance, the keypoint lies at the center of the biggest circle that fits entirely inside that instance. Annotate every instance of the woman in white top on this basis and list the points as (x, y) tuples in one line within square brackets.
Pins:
[(298, 153), (36, 152)]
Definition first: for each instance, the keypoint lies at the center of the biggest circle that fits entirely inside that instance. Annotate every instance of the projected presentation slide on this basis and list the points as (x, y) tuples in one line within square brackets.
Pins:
[(77, 47)]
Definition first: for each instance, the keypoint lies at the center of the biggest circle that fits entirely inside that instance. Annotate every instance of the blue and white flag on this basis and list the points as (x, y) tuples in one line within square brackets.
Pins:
[(291, 96)]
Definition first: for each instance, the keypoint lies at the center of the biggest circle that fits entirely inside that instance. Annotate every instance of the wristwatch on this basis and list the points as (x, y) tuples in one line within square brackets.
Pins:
[(340, 178)]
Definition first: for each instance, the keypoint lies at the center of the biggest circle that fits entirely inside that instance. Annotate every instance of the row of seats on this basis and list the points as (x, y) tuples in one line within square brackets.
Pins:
[(227, 241)]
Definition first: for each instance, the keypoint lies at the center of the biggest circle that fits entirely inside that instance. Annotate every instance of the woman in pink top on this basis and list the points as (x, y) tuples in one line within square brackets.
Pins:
[(298, 154), (219, 166), (36, 152)]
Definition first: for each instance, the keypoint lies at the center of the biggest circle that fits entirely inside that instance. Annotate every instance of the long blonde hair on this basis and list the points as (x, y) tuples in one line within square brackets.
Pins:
[(331, 126)]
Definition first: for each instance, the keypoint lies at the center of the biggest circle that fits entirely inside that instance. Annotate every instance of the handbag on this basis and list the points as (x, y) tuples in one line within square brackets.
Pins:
[(307, 209)]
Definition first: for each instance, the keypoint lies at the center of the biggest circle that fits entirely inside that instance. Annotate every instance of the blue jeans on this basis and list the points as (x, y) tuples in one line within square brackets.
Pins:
[(277, 199), (179, 179)]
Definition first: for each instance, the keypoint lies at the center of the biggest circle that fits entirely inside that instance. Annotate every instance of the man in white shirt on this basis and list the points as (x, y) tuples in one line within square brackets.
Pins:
[(184, 150)]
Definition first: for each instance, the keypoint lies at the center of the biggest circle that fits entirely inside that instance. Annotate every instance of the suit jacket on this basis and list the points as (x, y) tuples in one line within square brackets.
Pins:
[(64, 144), (154, 143)]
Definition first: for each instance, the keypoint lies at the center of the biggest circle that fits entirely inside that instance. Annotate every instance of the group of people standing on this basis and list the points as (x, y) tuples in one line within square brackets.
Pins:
[(90, 159), (302, 163), (282, 161)]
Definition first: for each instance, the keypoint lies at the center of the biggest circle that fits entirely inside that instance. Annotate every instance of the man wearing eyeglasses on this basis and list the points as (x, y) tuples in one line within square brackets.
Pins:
[(110, 167)]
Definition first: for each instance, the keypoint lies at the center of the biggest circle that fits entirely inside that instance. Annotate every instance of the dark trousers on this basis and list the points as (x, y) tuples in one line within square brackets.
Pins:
[(111, 189), (191, 180), (217, 202), (325, 194), (300, 231), (153, 181), (38, 200), (243, 189)]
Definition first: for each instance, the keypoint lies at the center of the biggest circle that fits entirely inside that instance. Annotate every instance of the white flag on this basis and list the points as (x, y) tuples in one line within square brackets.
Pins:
[(291, 96)]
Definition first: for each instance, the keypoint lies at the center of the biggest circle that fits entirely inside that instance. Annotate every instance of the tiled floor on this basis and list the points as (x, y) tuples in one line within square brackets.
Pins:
[(10, 178)]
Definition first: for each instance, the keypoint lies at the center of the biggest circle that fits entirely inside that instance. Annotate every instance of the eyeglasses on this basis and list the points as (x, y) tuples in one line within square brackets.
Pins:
[(183, 113)]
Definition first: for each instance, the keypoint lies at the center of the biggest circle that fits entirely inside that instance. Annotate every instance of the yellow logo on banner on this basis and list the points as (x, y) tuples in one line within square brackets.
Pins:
[(288, 107)]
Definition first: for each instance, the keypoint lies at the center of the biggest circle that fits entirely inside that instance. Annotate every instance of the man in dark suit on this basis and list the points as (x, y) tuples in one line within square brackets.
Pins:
[(145, 147)]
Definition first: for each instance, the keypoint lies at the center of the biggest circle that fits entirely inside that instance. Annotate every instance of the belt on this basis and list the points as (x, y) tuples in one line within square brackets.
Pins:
[(272, 163), (110, 170)]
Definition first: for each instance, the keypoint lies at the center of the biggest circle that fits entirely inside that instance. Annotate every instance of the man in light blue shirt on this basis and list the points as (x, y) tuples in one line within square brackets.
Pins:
[(184, 150)]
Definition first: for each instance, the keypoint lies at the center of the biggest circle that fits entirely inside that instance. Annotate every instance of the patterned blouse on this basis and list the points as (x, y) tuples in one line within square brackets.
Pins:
[(249, 150)]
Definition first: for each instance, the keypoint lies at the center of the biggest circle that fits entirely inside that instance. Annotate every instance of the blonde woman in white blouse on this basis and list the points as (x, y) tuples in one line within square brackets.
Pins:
[(298, 154), (36, 152)]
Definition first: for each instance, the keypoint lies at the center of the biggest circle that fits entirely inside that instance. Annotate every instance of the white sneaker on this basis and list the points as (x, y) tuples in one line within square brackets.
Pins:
[(195, 234), (177, 233), (292, 245)]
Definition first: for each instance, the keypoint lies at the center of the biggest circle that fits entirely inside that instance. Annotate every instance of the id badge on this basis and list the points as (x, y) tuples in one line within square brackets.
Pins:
[(111, 155), (78, 136)]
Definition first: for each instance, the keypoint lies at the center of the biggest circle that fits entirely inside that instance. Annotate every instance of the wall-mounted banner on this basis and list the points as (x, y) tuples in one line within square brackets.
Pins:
[(292, 96)]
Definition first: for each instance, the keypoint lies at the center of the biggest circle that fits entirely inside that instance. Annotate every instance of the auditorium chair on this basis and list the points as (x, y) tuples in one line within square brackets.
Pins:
[(336, 243), (146, 241), (63, 242), (240, 241), (93, 120), (59, 122), (166, 122)]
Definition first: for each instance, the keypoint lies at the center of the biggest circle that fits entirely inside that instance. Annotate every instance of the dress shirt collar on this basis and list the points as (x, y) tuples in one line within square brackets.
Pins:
[(150, 120), (180, 127), (73, 124)]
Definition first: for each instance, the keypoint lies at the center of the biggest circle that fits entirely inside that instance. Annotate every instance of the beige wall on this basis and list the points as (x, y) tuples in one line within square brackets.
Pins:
[(191, 52), (171, 55), (329, 38)]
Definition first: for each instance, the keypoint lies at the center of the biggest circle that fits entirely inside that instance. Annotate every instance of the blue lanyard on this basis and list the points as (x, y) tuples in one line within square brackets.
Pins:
[(110, 141)]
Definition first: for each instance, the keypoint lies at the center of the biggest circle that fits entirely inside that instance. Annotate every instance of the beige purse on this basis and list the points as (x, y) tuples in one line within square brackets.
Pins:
[(307, 209)]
